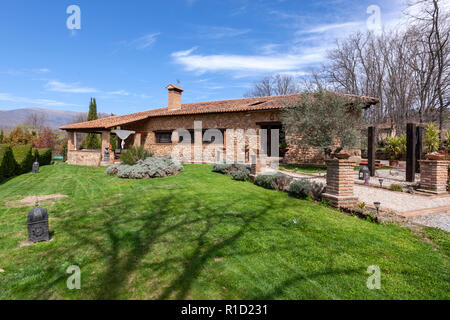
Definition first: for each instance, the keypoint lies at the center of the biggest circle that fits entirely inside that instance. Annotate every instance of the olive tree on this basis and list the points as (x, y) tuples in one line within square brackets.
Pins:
[(324, 120)]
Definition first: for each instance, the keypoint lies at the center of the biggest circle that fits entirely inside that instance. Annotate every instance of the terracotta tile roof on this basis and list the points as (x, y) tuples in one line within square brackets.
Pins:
[(236, 105)]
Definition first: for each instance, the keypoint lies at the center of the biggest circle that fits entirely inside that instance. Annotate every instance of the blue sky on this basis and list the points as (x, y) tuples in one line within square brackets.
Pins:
[(126, 52)]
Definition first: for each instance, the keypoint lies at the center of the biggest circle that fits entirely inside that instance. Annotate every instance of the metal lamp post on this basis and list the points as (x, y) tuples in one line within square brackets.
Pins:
[(377, 206)]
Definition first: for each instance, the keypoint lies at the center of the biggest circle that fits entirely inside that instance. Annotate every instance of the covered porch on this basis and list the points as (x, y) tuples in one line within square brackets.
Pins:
[(106, 155)]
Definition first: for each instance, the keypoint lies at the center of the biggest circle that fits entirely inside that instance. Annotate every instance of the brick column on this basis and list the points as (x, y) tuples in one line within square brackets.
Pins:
[(105, 142), (137, 140), (433, 176), (71, 141), (340, 180)]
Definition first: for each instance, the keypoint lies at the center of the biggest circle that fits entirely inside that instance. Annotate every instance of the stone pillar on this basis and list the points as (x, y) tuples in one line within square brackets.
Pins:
[(340, 180), (433, 176), (137, 140), (105, 142), (71, 141), (257, 168)]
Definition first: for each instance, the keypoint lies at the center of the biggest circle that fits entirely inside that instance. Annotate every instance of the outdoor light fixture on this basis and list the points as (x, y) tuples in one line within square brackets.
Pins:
[(381, 182), (364, 172), (377, 206), (37, 221)]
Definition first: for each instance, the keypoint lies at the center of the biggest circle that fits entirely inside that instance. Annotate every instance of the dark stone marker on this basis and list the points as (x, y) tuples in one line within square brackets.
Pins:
[(371, 150), (419, 135), (38, 225), (410, 152), (35, 167)]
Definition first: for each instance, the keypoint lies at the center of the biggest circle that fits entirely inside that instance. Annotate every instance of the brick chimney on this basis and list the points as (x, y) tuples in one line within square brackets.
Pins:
[(174, 97)]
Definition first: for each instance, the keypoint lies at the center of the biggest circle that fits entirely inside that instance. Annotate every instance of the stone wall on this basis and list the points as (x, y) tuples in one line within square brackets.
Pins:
[(84, 157), (238, 141), (238, 120)]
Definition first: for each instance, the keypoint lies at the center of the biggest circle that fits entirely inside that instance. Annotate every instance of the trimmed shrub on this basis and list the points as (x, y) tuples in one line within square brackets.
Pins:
[(149, 168), (24, 158), (134, 154), (303, 188), (396, 187), (221, 168), (277, 181), (8, 165), (240, 174), (112, 170), (45, 156)]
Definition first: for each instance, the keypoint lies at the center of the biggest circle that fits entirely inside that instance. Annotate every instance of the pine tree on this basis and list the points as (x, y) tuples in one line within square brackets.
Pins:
[(2, 136), (92, 140)]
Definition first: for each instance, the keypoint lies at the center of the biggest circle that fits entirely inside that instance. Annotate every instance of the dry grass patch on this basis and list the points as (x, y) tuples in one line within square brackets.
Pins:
[(30, 201)]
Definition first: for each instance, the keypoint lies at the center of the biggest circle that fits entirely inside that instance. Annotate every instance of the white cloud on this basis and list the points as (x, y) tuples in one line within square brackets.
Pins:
[(245, 63), (119, 93), (41, 102), (144, 41), (58, 86), (41, 70), (333, 26), (220, 32)]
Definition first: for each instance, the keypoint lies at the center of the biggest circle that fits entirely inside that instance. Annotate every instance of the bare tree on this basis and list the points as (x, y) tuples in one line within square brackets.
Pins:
[(433, 24), (36, 120), (276, 85), (408, 70)]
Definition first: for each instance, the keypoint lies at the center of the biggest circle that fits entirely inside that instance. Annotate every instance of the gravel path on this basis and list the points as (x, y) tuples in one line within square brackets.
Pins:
[(437, 220), (402, 203)]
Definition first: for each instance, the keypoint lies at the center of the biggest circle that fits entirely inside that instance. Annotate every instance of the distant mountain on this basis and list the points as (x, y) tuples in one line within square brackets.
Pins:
[(53, 118)]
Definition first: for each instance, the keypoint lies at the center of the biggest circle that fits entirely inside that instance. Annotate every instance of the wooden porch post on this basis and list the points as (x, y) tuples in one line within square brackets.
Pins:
[(371, 151), (419, 135), (410, 152)]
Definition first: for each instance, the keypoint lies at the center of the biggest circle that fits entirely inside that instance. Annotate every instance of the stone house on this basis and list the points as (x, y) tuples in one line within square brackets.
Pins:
[(158, 130)]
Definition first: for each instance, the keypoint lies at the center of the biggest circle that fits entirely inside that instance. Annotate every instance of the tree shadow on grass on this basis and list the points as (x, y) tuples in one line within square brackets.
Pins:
[(127, 239)]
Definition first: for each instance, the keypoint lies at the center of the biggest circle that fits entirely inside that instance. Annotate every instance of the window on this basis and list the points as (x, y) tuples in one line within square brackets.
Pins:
[(203, 134), (163, 136)]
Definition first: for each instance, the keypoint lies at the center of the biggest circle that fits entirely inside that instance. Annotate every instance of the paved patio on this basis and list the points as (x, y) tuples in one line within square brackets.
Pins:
[(432, 210)]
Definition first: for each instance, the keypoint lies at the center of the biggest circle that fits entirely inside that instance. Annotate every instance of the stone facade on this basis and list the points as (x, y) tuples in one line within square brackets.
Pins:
[(433, 176), (340, 180), (241, 130), (84, 157), (146, 130)]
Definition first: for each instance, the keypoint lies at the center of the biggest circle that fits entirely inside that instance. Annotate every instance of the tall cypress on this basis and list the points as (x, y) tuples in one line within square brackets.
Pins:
[(92, 140)]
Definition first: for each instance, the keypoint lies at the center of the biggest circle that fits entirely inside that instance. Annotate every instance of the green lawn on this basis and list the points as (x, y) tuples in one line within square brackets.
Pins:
[(201, 235)]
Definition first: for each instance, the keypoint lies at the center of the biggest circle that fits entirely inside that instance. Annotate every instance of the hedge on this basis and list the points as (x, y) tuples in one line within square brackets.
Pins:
[(24, 158), (19, 159), (8, 165)]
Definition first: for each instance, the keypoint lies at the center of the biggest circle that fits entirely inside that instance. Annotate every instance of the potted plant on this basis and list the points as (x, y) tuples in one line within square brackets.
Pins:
[(338, 154), (395, 146), (431, 141)]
